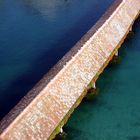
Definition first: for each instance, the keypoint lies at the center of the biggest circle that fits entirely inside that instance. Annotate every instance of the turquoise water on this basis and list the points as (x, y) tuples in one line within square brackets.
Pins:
[(115, 113), (34, 35)]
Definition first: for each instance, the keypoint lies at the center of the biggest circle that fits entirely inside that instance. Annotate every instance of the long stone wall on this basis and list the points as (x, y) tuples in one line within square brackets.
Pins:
[(46, 108)]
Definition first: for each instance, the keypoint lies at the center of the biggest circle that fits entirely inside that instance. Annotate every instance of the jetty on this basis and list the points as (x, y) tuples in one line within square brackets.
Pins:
[(43, 112)]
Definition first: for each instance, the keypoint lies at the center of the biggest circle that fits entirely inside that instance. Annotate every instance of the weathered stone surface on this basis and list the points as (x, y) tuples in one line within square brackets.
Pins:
[(41, 112)]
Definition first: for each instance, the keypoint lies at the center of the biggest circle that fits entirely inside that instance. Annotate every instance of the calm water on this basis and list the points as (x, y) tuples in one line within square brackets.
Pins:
[(115, 112), (34, 35)]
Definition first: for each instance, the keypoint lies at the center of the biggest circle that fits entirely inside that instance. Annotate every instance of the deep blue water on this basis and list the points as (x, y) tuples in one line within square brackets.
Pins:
[(34, 35), (115, 113)]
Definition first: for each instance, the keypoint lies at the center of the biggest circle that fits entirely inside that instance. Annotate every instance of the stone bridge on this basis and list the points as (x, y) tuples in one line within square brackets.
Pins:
[(41, 114)]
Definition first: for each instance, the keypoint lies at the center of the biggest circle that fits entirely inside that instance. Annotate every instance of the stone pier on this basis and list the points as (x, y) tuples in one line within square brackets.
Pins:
[(41, 114)]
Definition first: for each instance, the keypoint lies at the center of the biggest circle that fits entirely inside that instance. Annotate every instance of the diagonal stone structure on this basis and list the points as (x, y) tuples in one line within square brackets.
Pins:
[(41, 114)]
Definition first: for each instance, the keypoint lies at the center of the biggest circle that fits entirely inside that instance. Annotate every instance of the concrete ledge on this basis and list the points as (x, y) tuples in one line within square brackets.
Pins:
[(46, 108)]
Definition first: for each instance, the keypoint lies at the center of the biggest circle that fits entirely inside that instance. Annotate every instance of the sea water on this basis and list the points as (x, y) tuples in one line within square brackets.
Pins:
[(34, 35)]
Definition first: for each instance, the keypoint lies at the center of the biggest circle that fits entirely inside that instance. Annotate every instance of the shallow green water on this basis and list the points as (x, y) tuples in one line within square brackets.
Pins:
[(115, 113)]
